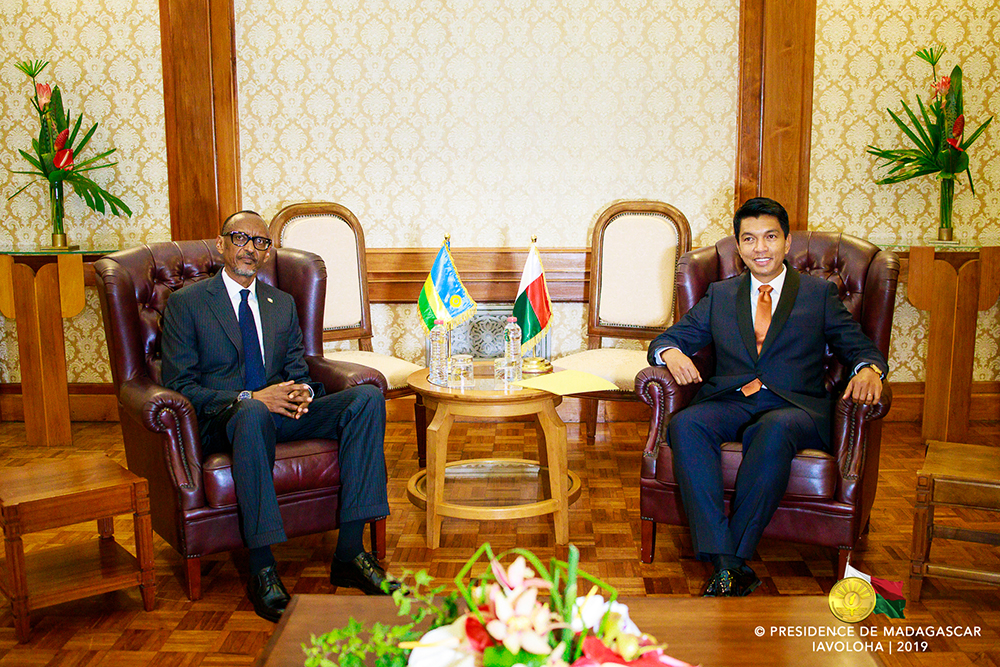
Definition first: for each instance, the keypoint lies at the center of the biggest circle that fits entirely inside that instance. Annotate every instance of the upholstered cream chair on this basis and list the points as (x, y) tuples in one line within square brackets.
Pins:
[(633, 257), (334, 233)]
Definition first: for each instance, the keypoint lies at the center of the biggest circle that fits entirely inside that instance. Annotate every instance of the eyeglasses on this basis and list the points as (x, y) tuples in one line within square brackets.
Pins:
[(240, 239)]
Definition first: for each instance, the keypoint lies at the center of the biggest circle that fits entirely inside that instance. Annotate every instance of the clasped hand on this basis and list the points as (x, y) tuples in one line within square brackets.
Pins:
[(865, 387), (286, 398)]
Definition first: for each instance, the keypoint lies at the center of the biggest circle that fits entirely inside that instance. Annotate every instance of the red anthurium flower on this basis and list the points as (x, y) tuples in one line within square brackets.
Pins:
[(478, 638), (958, 127), (63, 159), (61, 140), (44, 92), (942, 86), (954, 144)]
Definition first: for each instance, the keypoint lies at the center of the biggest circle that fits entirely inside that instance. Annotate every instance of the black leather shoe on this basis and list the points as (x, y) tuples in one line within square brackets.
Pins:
[(363, 573), (745, 581), (721, 585), (268, 594)]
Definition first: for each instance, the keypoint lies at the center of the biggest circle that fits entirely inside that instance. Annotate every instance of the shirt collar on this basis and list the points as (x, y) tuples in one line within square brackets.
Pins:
[(233, 288), (776, 283)]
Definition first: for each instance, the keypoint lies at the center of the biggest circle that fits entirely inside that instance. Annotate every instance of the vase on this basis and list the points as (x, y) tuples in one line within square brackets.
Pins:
[(57, 210), (947, 199)]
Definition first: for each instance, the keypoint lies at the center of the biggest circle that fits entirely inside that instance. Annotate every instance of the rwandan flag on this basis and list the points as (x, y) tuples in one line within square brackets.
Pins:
[(443, 296), (533, 307), (889, 598)]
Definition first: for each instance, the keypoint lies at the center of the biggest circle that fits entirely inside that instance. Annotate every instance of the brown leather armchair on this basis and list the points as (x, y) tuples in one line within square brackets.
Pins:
[(193, 501), (829, 496)]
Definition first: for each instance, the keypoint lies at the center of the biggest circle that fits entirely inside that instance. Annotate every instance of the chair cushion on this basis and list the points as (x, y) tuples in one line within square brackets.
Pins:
[(302, 465), (394, 369), (813, 475), (612, 364)]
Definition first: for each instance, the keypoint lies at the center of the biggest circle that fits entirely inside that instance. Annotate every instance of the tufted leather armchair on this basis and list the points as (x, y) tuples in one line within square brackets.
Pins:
[(193, 501), (829, 496)]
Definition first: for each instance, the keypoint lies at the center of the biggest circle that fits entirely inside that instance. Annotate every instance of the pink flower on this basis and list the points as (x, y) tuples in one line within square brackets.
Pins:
[(61, 140), (44, 92), (63, 159), (522, 622), (517, 576), (941, 87), (954, 144)]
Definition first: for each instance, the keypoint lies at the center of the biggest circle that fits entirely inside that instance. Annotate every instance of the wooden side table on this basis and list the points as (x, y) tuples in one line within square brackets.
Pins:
[(53, 494), (426, 488), (38, 288), (953, 475)]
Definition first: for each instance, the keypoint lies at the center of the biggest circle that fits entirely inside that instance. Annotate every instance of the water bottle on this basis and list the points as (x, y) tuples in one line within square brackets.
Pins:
[(512, 345), (440, 351)]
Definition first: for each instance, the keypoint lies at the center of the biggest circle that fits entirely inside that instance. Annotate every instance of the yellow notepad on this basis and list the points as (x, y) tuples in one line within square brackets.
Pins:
[(564, 383)]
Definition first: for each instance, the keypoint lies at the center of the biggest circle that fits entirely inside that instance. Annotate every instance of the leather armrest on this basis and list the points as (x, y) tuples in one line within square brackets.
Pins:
[(168, 413), (339, 375), (657, 388), (849, 439)]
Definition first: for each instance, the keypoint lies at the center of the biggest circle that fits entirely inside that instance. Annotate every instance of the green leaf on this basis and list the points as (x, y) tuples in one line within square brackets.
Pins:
[(34, 163), (906, 130), (931, 56), (32, 68), (56, 110), (975, 135), (23, 187), (498, 656), (85, 140), (926, 144), (93, 159), (72, 135)]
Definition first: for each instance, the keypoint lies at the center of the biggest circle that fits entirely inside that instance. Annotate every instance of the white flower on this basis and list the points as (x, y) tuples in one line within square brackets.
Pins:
[(589, 610)]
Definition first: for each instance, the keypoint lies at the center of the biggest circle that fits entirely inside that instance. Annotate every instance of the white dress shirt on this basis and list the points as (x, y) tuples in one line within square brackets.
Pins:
[(233, 288)]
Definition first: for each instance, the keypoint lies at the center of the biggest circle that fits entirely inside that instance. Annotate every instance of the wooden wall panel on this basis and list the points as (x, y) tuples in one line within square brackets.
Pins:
[(199, 93), (777, 49)]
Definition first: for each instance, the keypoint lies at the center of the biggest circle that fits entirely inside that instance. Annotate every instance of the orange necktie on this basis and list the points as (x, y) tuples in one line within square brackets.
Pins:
[(761, 323)]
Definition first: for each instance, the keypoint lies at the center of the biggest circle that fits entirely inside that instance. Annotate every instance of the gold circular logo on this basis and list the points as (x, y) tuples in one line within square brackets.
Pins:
[(852, 599), (455, 301)]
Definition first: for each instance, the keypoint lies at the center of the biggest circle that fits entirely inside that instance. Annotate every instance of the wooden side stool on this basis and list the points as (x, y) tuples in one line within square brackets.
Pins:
[(52, 494), (953, 475)]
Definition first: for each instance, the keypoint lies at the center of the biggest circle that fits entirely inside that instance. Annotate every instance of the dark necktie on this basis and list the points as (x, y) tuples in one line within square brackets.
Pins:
[(761, 323), (251, 345)]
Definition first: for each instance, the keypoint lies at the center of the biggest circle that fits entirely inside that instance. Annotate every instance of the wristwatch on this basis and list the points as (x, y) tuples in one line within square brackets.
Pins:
[(881, 375), (244, 395)]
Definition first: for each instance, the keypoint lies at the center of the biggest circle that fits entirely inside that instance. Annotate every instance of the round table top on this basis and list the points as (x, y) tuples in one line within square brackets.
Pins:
[(484, 390)]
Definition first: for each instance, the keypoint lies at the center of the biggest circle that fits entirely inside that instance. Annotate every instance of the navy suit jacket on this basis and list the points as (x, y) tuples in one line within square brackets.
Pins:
[(809, 318), (202, 349)]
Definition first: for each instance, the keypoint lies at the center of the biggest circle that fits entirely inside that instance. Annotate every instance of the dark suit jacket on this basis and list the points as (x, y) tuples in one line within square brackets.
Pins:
[(202, 349), (809, 317)]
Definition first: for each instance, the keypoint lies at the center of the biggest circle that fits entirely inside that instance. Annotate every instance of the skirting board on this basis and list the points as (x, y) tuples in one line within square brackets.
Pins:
[(96, 402)]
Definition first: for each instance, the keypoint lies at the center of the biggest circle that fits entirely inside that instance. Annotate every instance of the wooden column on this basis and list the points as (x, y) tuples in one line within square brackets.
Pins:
[(202, 127), (777, 49), (952, 295)]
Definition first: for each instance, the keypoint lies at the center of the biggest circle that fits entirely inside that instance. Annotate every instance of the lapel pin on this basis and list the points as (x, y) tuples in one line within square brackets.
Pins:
[(270, 300)]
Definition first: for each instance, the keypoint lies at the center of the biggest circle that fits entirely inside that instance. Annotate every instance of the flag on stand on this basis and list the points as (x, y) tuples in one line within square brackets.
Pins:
[(443, 296), (889, 598), (532, 307)]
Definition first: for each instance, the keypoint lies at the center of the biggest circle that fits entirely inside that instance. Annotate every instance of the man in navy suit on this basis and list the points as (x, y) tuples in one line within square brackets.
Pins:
[(770, 327), (232, 345)]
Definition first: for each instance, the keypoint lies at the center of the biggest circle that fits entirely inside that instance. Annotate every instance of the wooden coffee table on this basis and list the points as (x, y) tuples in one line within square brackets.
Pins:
[(52, 494), (713, 632), (426, 488)]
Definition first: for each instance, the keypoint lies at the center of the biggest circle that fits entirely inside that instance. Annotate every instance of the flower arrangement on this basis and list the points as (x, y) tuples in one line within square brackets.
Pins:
[(56, 151), (515, 616), (938, 135)]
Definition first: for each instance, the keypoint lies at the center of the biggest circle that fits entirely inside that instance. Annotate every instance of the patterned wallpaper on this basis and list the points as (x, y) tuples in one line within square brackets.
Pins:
[(865, 63), (105, 57), (494, 121)]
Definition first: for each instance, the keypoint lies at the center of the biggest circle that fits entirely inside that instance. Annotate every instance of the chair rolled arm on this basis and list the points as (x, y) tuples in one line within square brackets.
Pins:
[(339, 375), (850, 422), (656, 387), (168, 413)]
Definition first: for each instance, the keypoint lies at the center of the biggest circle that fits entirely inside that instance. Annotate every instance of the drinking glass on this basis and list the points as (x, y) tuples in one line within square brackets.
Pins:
[(460, 372)]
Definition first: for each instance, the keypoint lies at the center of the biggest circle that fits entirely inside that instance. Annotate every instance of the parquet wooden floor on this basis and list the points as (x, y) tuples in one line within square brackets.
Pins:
[(221, 628)]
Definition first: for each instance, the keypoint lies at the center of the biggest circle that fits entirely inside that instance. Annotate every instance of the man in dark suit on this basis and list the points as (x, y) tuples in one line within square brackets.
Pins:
[(770, 327), (232, 345)]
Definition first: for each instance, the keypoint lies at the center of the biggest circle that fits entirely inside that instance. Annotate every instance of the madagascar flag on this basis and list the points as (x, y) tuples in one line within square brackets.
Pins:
[(533, 307), (443, 296), (889, 598)]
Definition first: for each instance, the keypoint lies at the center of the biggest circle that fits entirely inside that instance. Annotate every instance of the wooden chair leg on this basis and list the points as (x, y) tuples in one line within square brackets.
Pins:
[(106, 527), (923, 534), (648, 541), (588, 416), (378, 538), (420, 419), (192, 575)]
